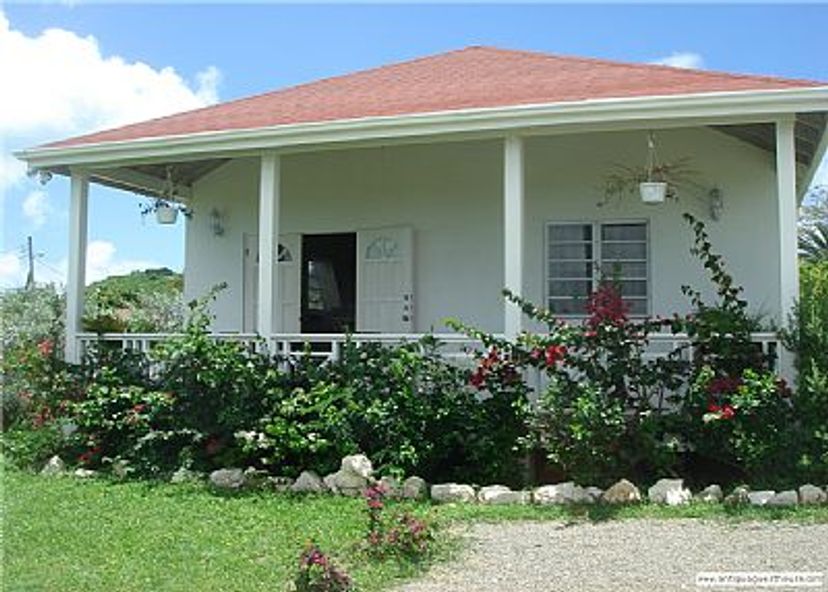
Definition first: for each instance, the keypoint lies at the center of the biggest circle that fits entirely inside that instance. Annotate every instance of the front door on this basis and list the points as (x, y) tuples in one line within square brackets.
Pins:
[(328, 283)]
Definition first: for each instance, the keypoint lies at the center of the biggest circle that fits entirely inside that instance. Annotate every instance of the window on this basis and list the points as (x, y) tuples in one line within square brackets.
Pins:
[(581, 254)]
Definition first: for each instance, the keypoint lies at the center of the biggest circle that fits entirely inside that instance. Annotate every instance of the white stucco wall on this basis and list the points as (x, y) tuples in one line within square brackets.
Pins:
[(450, 194)]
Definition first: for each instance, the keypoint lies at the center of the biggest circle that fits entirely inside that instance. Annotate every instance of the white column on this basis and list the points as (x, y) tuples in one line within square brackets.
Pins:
[(268, 297), (76, 278), (513, 231), (787, 205)]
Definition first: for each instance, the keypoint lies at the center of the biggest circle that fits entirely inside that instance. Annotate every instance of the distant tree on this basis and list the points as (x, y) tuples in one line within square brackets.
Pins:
[(147, 301), (813, 226)]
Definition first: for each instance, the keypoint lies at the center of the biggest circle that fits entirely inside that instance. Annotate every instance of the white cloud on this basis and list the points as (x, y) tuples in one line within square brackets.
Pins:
[(101, 262), (12, 172), (36, 208), (11, 270), (60, 82), (682, 59)]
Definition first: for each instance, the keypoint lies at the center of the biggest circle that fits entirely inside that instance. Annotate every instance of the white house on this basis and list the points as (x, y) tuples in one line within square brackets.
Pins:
[(386, 200)]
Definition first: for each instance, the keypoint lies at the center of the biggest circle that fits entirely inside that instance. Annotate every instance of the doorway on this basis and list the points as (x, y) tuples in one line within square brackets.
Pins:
[(328, 302)]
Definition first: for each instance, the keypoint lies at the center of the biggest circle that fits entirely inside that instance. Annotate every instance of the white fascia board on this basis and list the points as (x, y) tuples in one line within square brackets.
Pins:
[(743, 106)]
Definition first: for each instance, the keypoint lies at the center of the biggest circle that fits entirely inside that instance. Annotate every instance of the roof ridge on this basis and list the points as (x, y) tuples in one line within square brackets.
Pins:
[(648, 66)]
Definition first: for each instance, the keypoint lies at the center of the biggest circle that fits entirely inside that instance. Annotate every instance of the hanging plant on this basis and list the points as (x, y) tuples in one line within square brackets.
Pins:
[(165, 206), (654, 182)]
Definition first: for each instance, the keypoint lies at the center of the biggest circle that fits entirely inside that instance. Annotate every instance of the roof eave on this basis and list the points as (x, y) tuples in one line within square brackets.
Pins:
[(765, 105)]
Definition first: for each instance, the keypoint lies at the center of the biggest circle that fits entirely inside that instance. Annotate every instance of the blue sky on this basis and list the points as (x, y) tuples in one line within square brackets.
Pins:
[(106, 64)]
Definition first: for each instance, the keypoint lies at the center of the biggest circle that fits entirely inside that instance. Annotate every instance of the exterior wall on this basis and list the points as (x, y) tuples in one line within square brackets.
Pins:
[(451, 194)]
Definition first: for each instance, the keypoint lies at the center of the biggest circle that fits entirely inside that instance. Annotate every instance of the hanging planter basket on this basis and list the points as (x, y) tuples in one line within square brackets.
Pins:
[(165, 214), (653, 192)]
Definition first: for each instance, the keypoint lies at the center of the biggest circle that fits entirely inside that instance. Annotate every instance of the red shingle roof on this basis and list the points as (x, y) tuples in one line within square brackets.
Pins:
[(475, 77)]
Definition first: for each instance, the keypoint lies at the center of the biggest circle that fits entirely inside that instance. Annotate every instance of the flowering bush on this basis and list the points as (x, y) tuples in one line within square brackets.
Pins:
[(400, 535), (317, 573), (600, 389), (740, 424), (130, 424)]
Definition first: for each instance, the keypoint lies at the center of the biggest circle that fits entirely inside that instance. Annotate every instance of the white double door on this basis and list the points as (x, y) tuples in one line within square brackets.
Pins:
[(384, 281)]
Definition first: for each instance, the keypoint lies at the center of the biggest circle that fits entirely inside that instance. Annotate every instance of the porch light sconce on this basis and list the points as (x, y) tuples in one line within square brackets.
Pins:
[(216, 222), (43, 176), (716, 203)]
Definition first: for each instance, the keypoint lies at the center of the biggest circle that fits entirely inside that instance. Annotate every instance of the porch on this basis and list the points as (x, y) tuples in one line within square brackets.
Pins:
[(455, 221)]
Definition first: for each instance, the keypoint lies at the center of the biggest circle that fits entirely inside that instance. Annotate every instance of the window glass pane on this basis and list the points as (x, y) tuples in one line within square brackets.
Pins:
[(626, 269), (570, 269), (633, 288), (623, 251), (570, 232), (624, 232), (567, 306), (569, 288), (637, 306), (570, 251)]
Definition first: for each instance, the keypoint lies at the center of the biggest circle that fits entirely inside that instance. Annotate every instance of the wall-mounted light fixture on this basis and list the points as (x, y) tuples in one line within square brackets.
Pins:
[(216, 222)]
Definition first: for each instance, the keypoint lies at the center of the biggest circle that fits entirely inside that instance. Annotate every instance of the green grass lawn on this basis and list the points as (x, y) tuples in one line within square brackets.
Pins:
[(63, 534), (66, 534)]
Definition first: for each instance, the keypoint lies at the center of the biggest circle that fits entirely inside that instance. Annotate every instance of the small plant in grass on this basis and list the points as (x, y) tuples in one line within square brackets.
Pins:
[(401, 535), (317, 573)]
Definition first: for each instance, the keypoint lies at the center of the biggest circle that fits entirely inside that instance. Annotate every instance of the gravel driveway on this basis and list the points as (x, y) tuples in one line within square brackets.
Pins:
[(627, 555)]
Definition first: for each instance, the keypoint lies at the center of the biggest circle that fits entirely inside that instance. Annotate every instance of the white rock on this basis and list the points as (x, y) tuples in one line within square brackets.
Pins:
[(54, 466), (784, 498), (330, 482), (669, 491), (561, 493), (500, 494), (229, 479), (452, 492), (357, 464), (85, 473), (594, 492), (308, 482), (811, 494), (760, 498), (710, 494), (414, 488), (622, 492), (738, 496)]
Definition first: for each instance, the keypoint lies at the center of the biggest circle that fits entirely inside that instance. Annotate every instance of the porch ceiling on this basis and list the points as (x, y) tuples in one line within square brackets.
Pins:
[(808, 132), (150, 179)]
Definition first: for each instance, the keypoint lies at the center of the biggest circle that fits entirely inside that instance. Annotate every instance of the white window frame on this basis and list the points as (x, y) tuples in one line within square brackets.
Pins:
[(597, 258)]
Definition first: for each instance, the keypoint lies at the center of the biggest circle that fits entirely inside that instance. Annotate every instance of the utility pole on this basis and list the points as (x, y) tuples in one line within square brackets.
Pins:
[(30, 282)]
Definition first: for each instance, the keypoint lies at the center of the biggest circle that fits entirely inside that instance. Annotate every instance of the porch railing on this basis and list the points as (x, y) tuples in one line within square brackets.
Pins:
[(328, 346)]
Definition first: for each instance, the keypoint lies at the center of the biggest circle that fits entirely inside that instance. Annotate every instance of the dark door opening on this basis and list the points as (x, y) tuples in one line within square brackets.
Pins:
[(328, 283)]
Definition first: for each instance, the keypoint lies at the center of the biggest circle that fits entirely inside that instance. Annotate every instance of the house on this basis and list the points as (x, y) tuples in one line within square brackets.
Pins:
[(386, 200)]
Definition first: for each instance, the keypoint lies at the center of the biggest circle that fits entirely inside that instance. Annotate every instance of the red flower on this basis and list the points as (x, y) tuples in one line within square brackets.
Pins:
[(554, 354), (713, 408), (45, 347), (605, 306), (728, 412), (478, 378)]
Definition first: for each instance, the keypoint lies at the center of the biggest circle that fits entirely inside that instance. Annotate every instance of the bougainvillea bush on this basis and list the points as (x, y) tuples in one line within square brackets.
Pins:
[(712, 407)]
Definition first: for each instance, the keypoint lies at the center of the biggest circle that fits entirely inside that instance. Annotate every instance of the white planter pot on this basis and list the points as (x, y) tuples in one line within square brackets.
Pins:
[(653, 192), (166, 214)]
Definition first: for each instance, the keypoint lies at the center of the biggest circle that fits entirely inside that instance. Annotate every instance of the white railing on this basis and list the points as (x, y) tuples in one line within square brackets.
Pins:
[(328, 346), (325, 346)]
